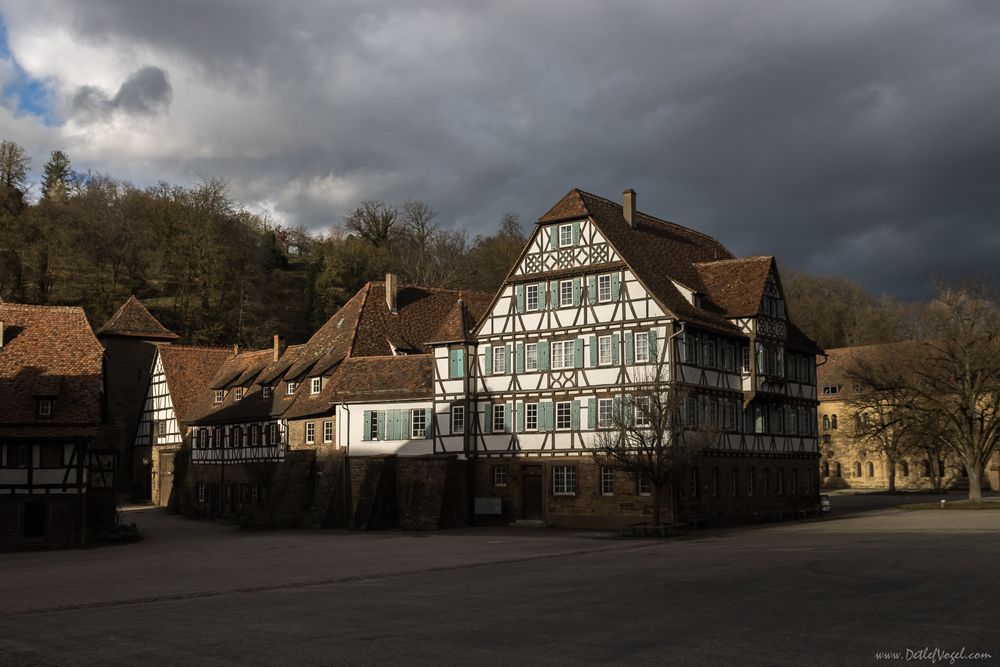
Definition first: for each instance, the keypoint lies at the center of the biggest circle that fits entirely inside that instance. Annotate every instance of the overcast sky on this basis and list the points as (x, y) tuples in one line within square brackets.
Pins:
[(853, 138)]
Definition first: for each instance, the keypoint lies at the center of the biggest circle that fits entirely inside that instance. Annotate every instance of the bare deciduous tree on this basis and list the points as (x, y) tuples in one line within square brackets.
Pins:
[(373, 221)]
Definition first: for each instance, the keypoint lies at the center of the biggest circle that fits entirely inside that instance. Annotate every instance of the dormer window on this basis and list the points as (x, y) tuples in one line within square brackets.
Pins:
[(220, 395), (316, 385), (265, 391), (291, 388), (238, 393), (45, 407)]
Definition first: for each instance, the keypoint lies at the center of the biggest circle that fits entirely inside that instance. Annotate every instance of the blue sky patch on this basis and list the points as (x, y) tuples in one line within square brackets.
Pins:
[(30, 95)]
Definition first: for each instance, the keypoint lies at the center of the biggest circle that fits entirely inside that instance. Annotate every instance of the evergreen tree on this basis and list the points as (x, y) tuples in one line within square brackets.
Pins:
[(57, 176)]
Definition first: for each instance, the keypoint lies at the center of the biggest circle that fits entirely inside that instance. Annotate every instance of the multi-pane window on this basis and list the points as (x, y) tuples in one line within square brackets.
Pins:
[(45, 407), (750, 482), (641, 347), (565, 293), (531, 356), (500, 475), (604, 288), (265, 391), (565, 235), (604, 350), (315, 385), (562, 354), (715, 482), (693, 482), (605, 412), (531, 416), (327, 432), (290, 389), (691, 412), (779, 482), (238, 393), (499, 424), (709, 353), (418, 423), (607, 481), (531, 297), (564, 480), (728, 357), (220, 395), (564, 417), (373, 424), (765, 482), (202, 439), (643, 486), (310, 432), (735, 486), (275, 434), (458, 419), (746, 358), (643, 410), (499, 360)]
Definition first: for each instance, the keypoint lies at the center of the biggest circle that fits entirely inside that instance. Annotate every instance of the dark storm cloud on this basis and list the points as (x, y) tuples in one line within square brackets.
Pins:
[(861, 139), (145, 92)]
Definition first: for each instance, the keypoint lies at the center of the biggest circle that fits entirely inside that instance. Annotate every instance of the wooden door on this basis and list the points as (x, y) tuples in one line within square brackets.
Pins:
[(166, 478), (531, 492)]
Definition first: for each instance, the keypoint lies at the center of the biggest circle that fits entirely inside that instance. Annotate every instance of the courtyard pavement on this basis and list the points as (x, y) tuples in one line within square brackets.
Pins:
[(833, 591)]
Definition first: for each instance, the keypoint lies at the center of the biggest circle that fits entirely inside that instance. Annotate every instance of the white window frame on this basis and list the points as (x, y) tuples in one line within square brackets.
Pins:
[(290, 389), (564, 480), (531, 356), (605, 412), (531, 302), (238, 394), (501, 474), (604, 288), (564, 422), (315, 385), (497, 420), (265, 391), (418, 424), (565, 293), (499, 359), (458, 419), (327, 432), (220, 395), (566, 235), (559, 359), (604, 350), (310, 433), (373, 420), (607, 481), (643, 486), (45, 407), (642, 347), (531, 416), (642, 417)]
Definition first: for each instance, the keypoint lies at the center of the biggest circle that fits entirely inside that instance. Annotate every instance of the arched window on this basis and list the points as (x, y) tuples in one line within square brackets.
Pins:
[(837, 469), (857, 469), (904, 468), (826, 468), (871, 469), (833, 422), (826, 422)]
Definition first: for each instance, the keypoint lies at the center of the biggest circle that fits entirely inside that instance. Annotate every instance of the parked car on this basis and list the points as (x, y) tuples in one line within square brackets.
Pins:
[(824, 504)]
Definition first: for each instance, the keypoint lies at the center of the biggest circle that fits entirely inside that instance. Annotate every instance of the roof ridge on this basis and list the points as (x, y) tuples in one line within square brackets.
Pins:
[(431, 288), (197, 347), (734, 259), (384, 357), (651, 217), (357, 322)]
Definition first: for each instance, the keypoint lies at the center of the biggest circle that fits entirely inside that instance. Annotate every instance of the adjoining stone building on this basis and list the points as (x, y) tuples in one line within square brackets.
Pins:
[(56, 468), (847, 461)]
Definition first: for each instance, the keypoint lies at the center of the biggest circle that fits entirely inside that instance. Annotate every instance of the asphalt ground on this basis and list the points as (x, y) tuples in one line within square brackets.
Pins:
[(833, 591)]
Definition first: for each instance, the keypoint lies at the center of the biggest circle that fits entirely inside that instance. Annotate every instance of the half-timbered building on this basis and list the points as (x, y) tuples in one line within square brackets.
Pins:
[(600, 297), (56, 477)]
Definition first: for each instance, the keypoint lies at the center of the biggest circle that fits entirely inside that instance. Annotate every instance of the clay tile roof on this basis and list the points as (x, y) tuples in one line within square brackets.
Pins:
[(49, 351), (132, 319), (736, 285), (187, 370), (457, 325), (832, 368)]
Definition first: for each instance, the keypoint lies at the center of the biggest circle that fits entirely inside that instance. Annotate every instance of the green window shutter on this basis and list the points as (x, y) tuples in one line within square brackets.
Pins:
[(519, 357), (618, 407), (507, 359), (575, 415), (616, 287), (392, 425), (629, 348), (506, 418), (488, 418), (554, 237), (652, 344), (543, 294), (460, 363), (592, 413), (368, 425), (615, 342), (550, 422), (451, 364), (487, 360), (576, 232), (578, 353), (554, 294), (593, 350), (519, 416), (404, 424), (429, 420), (519, 298), (592, 290), (577, 289), (543, 355), (381, 424)]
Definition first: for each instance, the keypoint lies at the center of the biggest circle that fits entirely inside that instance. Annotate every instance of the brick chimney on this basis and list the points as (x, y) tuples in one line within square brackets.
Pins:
[(391, 292), (279, 347), (628, 208)]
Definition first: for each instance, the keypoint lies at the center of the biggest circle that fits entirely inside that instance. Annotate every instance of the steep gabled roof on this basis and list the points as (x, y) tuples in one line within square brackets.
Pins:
[(134, 320), (736, 285), (50, 352), (187, 370), (457, 325)]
